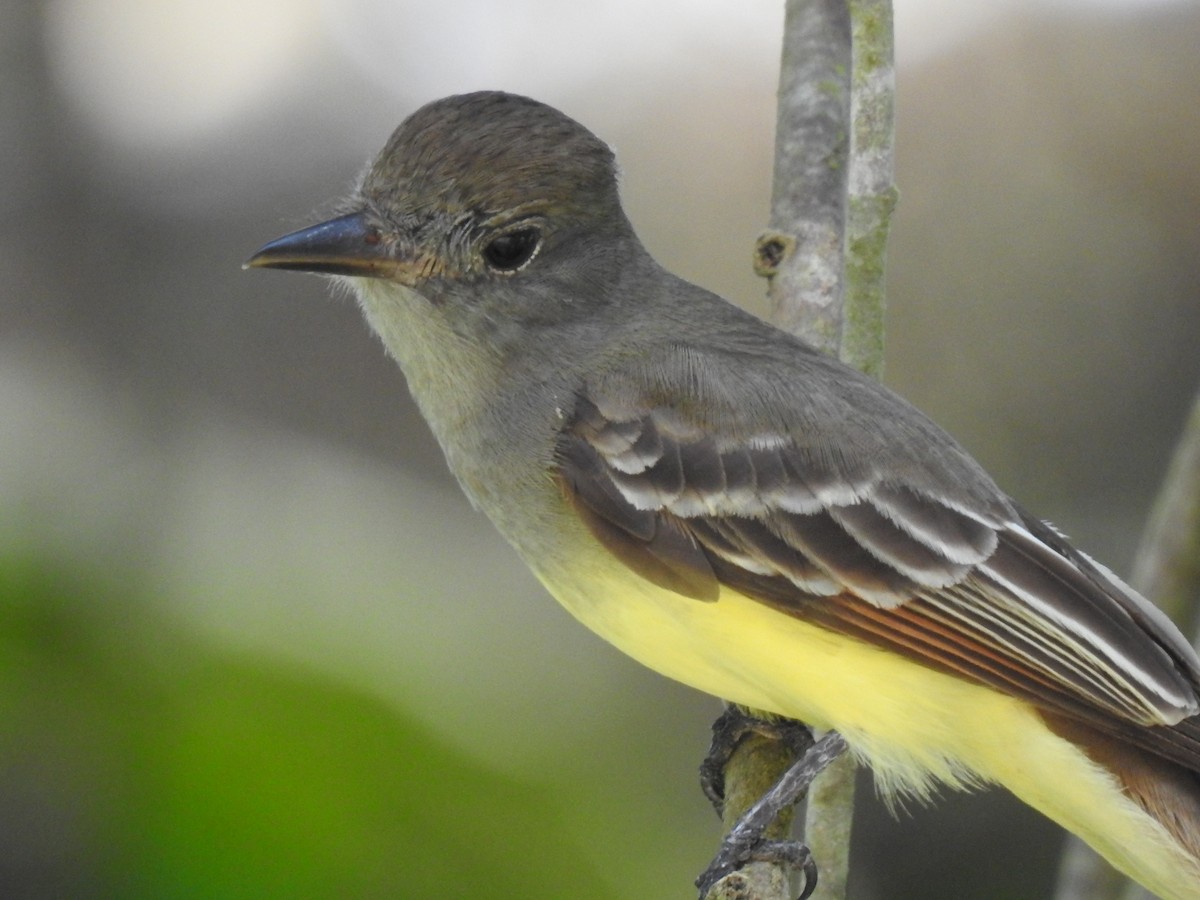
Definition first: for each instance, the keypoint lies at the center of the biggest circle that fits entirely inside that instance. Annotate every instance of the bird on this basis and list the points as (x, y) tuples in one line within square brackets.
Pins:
[(743, 513)]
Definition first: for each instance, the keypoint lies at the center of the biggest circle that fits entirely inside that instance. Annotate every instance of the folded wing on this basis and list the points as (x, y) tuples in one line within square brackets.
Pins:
[(978, 589)]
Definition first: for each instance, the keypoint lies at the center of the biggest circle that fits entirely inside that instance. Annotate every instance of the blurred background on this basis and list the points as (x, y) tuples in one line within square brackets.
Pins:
[(253, 642)]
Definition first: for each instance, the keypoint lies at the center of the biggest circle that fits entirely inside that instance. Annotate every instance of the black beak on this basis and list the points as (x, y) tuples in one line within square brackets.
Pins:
[(346, 245)]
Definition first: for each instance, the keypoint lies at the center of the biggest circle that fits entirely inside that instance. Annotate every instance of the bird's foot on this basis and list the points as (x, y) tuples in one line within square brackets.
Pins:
[(728, 731), (738, 850), (746, 842)]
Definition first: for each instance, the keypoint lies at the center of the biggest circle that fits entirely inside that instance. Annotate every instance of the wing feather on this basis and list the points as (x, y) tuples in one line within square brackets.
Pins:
[(978, 589)]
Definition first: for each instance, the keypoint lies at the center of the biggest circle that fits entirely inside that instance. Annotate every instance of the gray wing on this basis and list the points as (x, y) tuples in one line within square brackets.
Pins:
[(957, 578)]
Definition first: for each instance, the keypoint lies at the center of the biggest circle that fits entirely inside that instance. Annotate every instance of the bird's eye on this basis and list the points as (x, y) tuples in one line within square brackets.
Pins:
[(509, 251)]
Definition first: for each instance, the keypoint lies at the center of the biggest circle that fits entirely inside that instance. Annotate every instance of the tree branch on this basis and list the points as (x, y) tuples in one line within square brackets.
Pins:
[(871, 191), (753, 770), (1167, 566), (823, 257), (803, 253), (1167, 570), (871, 197)]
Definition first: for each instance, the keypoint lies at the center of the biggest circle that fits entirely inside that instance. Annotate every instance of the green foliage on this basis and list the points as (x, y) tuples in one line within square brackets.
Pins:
[(151, 765)]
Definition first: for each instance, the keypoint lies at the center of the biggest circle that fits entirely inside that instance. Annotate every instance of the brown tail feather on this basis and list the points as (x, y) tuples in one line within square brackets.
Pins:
[(1167, 791)]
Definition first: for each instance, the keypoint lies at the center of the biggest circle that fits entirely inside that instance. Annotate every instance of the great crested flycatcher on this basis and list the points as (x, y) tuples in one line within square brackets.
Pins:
[(744, 514)]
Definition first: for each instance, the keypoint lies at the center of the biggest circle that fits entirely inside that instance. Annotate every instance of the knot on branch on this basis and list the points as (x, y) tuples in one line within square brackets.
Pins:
[(772, 250)]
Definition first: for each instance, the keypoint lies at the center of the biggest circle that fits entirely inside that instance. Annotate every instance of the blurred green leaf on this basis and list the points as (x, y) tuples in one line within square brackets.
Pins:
[(136, 762)]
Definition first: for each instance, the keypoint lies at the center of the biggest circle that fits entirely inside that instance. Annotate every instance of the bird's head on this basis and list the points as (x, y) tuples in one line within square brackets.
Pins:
[(488, 199)]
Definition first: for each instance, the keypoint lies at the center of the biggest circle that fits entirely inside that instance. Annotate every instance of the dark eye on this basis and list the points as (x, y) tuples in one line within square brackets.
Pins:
[(511, 250)]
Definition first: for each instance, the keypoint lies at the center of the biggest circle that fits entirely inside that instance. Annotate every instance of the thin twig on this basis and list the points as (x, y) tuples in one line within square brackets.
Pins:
[(1167, 567), (1167, 570)]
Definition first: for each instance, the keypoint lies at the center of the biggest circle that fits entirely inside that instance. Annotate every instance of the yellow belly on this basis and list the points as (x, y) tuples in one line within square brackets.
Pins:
[(913, 726)]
